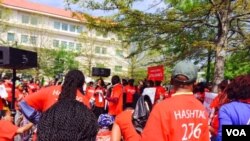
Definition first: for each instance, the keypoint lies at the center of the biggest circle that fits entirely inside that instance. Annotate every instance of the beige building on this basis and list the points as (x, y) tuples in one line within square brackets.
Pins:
[(41, 26)]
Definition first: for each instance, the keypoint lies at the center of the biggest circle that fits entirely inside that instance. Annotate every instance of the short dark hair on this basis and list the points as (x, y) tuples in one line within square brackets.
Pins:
[(131, 82), (239, 88), (157, 83), (67, 120), (115, 79), (3, 113)]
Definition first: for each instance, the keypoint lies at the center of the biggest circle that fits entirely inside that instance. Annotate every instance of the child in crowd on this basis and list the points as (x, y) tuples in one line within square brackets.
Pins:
[(7, 129), (105, 122)]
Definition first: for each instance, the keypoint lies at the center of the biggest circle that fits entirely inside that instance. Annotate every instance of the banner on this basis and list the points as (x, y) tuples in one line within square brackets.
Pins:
[(156, 73), (150, 92), (3, 92), (209, 96)]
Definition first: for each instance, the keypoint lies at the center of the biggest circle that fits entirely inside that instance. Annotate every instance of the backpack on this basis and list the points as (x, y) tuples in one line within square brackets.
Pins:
[(141, 113)]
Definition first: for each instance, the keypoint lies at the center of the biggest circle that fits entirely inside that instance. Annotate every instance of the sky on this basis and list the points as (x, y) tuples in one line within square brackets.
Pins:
[(139, 5)]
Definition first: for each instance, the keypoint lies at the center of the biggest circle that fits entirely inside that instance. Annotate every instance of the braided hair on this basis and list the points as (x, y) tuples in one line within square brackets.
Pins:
[(74, 80), (67, 120)]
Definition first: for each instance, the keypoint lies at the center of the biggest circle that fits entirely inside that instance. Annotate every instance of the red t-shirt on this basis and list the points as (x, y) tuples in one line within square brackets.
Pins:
[(215, 102), (116, 108), (90, 90), (7, 130), (33, 87), (124, 120), (181, 117), (8, 88), (1, 104), (46, 97), (99, 97), (215, 119), (130, 91), (160, 91)]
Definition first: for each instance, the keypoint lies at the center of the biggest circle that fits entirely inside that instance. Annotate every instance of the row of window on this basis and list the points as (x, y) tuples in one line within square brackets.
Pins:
[(34, 20), (67, 45), (29, 20), (100, 50), (67, 27), (29, 39), (26, 39)]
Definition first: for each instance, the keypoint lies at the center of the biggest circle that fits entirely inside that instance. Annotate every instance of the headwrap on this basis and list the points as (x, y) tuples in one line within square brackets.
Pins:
[(105, 120)]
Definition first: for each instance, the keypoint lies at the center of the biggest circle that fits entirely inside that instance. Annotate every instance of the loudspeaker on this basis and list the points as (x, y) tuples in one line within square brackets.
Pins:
[(14, 58), (103, 72)]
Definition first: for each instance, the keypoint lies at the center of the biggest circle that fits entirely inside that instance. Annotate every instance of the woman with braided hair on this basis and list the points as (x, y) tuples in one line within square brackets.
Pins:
[(67, 120), (33, 105)]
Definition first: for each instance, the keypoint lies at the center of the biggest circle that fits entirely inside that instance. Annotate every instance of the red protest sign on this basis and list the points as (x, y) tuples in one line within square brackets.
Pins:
[(156, 73)]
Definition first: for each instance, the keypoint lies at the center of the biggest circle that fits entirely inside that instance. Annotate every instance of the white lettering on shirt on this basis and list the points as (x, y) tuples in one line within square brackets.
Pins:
[(56, 92), (181, 114)]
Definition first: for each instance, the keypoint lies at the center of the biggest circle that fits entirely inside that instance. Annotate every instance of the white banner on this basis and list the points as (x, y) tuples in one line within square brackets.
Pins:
[(3, 92), (209, 96), (150, 92)]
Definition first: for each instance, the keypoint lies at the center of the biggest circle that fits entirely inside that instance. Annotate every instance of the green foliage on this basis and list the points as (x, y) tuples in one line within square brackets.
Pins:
[(237, 64), (54, 62), (186, 5), (63, 61)]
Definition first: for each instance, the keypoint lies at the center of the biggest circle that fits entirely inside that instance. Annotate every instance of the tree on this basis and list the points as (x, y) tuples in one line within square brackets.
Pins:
[(219, 25)]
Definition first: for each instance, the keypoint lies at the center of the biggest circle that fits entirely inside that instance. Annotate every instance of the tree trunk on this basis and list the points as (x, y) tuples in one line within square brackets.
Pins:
[(221, 44), (219, 68)]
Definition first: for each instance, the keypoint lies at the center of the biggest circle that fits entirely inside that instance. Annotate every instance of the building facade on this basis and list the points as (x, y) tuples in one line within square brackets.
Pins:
[(40, 26)]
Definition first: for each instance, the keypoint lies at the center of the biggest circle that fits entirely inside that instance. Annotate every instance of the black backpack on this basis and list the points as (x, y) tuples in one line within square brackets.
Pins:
[(141, 113)]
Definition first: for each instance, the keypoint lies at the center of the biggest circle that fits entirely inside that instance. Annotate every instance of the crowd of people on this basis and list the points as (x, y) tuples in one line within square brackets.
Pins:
[(123, 110)]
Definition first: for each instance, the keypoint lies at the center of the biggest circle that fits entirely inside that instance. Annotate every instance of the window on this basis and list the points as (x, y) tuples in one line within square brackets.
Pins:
[(25, 19), (55, 43), (78, 46), (64, 26), (64, 44), (57, 25), (97, 50), (79, 29), (71, 45), (11, 37), (72, 28), (33, 20), (33, 40), (118, 68), (104, 50), (119, 53), (24, 39)]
